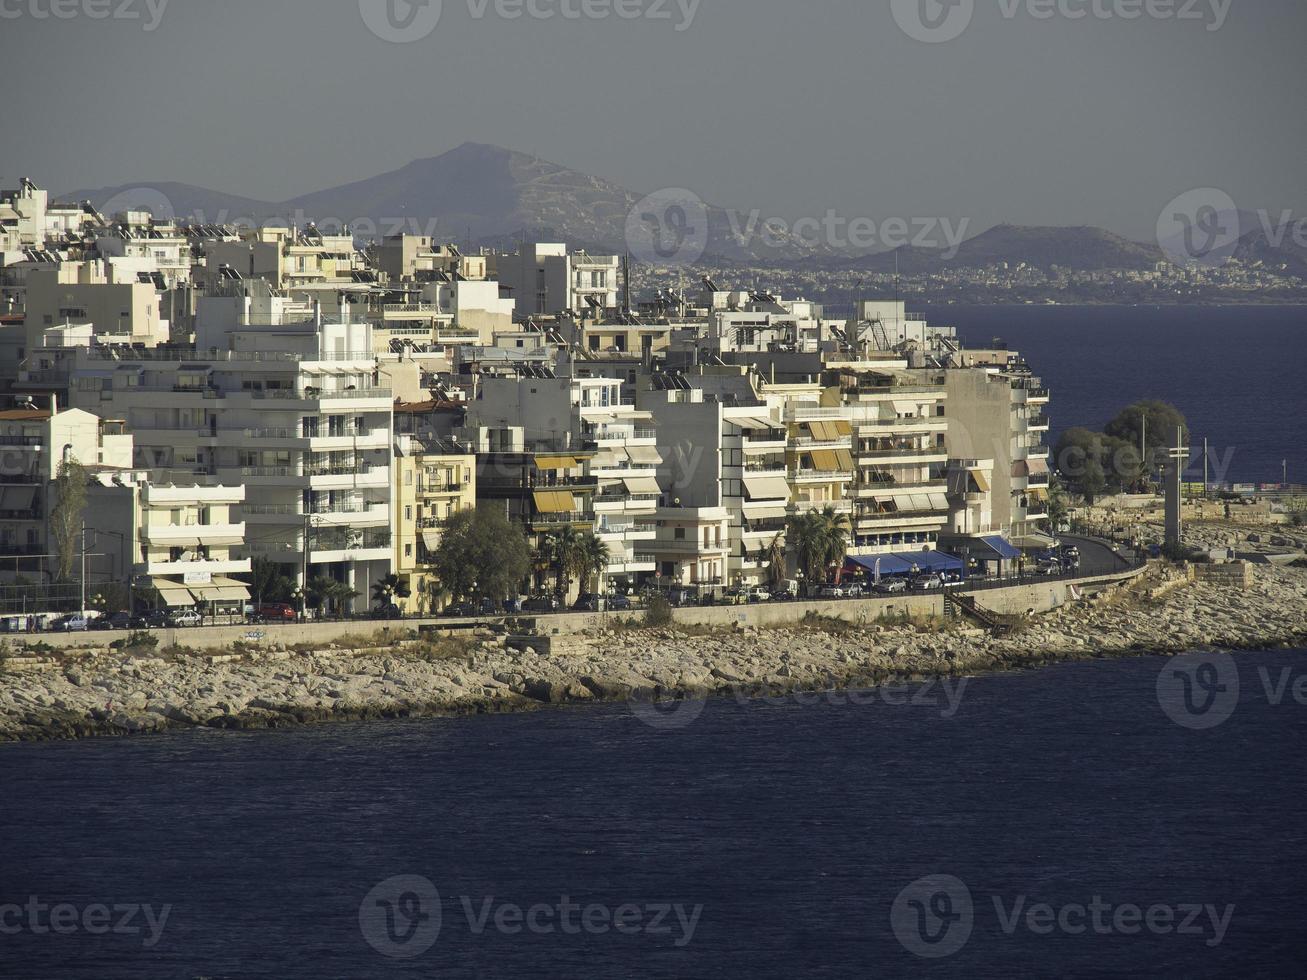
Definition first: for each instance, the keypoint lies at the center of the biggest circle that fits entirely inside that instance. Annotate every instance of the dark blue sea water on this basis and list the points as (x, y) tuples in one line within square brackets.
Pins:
[(1239, 374), (785, 833)]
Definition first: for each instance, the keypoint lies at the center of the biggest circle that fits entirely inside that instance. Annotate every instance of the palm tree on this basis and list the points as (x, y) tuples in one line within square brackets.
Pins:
[(592, 560), (561, 548), (386, 590), (774, 556), (835, 536)]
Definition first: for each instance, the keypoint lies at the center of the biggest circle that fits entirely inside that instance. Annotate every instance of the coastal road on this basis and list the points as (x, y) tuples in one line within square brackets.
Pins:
[(1096, 558)]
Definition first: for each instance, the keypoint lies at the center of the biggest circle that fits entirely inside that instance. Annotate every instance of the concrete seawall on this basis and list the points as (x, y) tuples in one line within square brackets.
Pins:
[(1040, 597)]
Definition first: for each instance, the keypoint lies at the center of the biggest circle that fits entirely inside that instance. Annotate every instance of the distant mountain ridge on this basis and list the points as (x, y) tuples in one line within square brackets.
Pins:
[(479, 194)]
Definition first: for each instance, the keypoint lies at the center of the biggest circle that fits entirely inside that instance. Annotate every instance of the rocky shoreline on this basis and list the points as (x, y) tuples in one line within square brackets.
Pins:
[(145, 691)]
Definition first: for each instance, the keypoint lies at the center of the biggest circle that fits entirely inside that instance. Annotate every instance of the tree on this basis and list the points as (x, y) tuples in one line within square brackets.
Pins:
[(268, 583), (1163, 419), (820, 540), (592, 560), (325, 592), (1058, 504), (481, 552), (386, 590), (774, 556), (562, 550), (67, 515)]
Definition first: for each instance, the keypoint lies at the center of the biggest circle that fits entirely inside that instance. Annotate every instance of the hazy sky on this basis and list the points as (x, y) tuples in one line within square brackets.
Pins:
[(791, 106)]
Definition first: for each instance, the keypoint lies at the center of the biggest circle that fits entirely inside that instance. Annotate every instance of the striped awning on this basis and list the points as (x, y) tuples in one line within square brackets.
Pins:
[(981, 478), (556, 463), (554, 501), (1038, 466)]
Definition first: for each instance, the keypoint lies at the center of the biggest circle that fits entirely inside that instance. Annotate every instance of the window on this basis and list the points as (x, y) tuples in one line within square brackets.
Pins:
[(408, 551), (679, 534), (408, 513)]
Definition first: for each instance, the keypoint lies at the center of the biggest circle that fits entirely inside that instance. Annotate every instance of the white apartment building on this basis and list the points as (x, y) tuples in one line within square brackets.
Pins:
[(291, 411), (120, 306), (547, 280), (613, 447)]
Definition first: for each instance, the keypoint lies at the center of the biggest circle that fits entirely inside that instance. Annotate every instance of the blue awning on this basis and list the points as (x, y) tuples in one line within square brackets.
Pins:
[(937, 561), (1002, 546)]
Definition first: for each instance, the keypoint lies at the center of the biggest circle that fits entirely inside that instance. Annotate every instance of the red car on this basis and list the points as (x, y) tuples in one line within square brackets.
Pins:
[(275, 612)]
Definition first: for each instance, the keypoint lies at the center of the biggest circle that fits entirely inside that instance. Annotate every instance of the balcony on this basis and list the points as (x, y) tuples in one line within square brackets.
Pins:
[(180, 569), (821, 476), (807, 442), (166, 535), (923, 453)]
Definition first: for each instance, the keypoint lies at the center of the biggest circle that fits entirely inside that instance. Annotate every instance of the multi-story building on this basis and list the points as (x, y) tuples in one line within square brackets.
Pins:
[(582, 431), (120, 310), (291, 411), (434, 479), (546, 279)]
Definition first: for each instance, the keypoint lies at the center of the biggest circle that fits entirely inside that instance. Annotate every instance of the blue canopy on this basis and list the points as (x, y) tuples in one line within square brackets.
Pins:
[(1002, 546), (937, 561)]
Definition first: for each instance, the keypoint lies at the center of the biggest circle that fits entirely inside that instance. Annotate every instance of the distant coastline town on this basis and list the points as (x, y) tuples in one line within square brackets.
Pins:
[(206, 423)]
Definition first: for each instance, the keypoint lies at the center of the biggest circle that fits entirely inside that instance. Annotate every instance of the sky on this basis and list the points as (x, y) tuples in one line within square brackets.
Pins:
[(1029, 115)]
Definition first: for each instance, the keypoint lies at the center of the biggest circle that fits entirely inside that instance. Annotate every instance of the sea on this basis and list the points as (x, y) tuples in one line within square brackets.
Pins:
[(1238, 373), (1097, 819)]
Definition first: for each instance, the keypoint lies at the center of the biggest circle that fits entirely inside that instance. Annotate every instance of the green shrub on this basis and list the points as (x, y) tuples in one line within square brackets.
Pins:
[(138, 640), (658, 612)]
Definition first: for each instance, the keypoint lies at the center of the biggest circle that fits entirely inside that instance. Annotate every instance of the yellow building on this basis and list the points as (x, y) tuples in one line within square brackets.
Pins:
[(434, 480)]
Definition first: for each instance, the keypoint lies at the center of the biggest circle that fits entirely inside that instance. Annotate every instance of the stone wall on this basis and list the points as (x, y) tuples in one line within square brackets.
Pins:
[(1233, 575)]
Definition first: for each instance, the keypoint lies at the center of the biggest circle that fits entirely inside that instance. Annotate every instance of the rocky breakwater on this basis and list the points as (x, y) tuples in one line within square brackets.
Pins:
[(140, 691)]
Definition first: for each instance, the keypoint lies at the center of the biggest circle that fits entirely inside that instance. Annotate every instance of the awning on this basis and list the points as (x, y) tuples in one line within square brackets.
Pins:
[(939, 501), (844, 458), (557, 463), (554, 501), (642, 486), (221, 590), (766, 513), (1034, 542), (819, 431), (1038, 466), (1038, 493), (645, 455), (826, 460), (753, 422), (1020, 469), (431, 538), (843, 427), (905, 563), (905, 408), (173, 594), (1002, 547), (610, 459), (766, 488), (982, 480)]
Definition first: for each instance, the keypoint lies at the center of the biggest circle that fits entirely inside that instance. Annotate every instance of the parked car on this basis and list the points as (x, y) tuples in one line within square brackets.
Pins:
[(891, 586), (187, 618), (513, 606), (460, 610), (73, 623), (926, 583), (488, 607), (388, 611), (786, 591), (1048, 566), (854, 590), (121, 621), (680, 597), (274, 612), (543, 604), (735, 597), (759, 594), (157, 619), (619, 603), (588, 602), (831, 592)]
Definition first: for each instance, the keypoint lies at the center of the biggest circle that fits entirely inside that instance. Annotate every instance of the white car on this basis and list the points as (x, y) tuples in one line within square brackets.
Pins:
[(832, 592), (188, 618), (926, 583), (759, 594), (890, 586)]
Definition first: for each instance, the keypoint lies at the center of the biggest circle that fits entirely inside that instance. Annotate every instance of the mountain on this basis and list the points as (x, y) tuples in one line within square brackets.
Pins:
[(476, 195), (1081, 249), (479, 194)]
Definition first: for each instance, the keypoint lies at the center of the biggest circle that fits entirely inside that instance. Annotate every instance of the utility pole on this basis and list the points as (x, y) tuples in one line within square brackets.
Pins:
[(1205, 470), (83, 609), (304, 592)]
